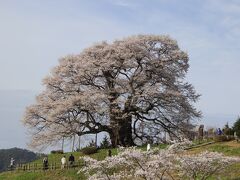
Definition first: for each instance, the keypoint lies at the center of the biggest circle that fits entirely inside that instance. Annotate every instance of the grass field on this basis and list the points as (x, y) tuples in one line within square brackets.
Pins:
[(231, 148)]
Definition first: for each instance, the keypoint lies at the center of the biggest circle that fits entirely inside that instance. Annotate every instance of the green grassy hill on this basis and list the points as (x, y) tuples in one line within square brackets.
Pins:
[(228, 148)]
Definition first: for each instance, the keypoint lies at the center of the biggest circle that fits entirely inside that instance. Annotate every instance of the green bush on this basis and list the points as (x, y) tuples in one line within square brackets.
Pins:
[(236, 127), (89, 150), (227, 130), (223, 138), (57, 152)]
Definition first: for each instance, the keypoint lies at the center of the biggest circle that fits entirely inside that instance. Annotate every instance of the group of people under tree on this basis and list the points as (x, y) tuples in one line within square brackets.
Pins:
[(71, 161)]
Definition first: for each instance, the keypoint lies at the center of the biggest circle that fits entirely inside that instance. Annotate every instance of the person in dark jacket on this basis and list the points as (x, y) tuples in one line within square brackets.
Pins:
[(71, 160)]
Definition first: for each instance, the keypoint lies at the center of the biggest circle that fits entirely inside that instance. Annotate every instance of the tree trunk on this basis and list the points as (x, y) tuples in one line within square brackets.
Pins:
[(125, 133), (114, 120), (121, 127), (62, 143), (114, 138), (114, 132), (79, 142), (96, 140), (121, 133)]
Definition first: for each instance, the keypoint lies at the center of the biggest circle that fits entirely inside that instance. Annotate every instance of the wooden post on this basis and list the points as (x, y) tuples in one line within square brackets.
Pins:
[(79, 140), (96, 140), (62, 143), (73, 143)]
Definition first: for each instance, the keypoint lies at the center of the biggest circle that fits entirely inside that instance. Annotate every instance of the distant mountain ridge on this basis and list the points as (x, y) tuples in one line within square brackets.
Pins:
[(20, 156)]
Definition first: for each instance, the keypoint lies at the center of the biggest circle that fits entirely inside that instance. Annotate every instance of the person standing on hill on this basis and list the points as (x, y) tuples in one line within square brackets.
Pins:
[(219, 132), (148, 147), (45, 163), (63, 162), (71, 160), (12, 161), (109, 153)]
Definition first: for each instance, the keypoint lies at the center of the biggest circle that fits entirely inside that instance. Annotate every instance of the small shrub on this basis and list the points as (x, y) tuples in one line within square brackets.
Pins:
[(105, 143), (223, 138), (92, 143), (89, 150), (57, 152)]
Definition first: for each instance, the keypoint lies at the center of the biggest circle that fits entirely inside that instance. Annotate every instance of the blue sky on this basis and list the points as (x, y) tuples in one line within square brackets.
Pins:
[(35, 33)]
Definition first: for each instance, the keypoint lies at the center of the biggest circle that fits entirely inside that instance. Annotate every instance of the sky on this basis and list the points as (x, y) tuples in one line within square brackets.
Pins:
[(34, 34)]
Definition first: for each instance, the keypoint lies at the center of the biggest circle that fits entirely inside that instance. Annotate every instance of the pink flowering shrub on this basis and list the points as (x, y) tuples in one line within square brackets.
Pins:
[(165, 164)]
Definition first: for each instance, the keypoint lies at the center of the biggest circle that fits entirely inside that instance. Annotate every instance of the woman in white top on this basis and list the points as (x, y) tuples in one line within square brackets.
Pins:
[(63, 162)]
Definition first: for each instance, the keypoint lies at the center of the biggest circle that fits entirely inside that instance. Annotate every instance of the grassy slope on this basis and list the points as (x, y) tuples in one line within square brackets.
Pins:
[(54, 175), (227, 148)]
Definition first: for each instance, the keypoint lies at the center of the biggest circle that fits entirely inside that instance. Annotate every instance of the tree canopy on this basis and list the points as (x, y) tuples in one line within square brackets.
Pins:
[(131, 88)]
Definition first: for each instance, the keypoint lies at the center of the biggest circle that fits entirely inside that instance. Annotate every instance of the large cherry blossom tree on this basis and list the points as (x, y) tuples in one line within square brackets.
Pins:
[(132, 89)]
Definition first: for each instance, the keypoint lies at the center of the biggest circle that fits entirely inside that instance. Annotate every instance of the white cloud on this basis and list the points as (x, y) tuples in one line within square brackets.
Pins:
[(124, 3), (226, 14)]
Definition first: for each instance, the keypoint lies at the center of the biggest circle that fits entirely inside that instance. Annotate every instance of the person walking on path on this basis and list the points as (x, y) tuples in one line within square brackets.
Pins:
[(71, 160), (63, 162)]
